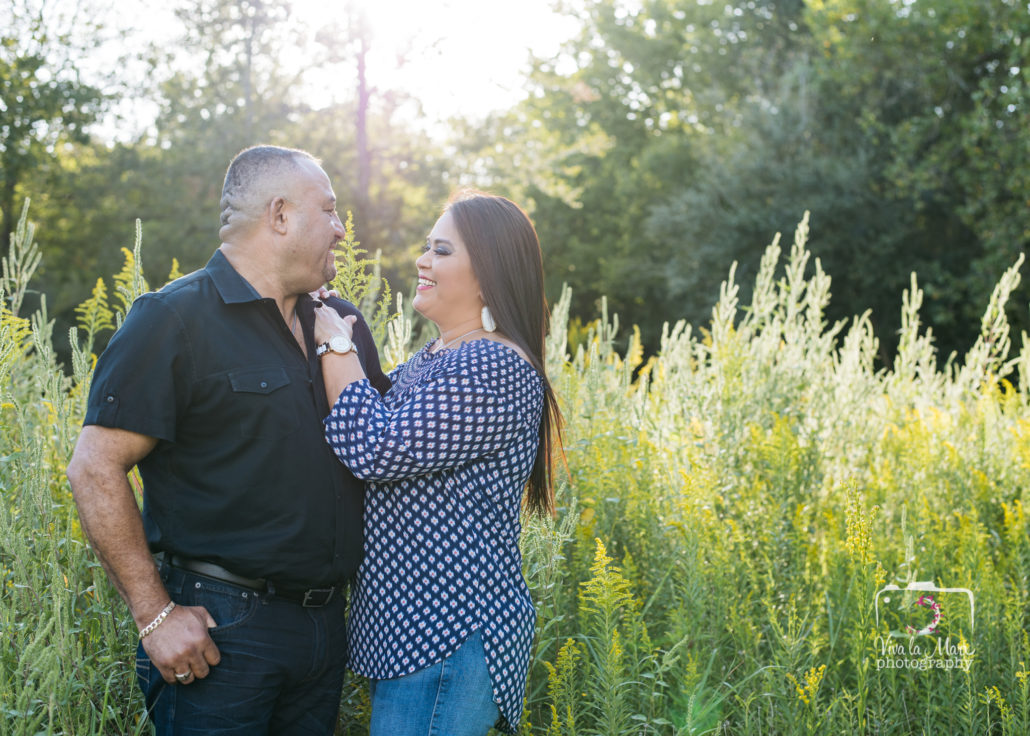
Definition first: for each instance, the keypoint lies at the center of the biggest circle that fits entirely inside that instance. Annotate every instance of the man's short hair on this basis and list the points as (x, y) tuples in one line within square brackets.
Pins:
[(249, 176)]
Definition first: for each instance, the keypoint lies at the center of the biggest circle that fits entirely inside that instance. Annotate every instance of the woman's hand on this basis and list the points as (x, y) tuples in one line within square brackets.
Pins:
[(329, 323), (322, 293)]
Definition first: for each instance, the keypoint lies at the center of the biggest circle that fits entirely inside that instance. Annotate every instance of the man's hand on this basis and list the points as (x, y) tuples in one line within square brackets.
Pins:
[(181, 645)]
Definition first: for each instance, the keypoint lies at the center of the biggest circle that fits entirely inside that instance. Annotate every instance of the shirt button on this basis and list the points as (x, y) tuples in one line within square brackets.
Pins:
[(110, 398), (264, 384)]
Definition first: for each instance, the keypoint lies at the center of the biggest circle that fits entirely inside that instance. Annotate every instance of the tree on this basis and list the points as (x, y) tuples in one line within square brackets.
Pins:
[(45, 102), (223, 88), (673, 137), (387, 170), (656, 92), (938, 93), (250, 89), (228, 88)]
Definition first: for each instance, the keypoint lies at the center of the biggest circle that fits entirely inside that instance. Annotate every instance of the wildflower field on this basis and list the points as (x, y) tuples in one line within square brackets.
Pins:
[(738, 511)]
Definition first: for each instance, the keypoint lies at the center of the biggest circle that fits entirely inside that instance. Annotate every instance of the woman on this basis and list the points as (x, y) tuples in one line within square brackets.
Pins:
[(441, 619)]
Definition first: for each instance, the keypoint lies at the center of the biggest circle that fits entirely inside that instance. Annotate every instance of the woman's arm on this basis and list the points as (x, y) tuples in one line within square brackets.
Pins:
[(364, 343), (338, 370), (473, 407)]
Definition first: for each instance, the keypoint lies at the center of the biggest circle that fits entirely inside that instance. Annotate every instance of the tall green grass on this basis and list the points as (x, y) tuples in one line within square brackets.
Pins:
[(732, 507)]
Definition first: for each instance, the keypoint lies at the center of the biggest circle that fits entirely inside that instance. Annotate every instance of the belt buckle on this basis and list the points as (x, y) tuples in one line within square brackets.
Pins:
[(310, 601)]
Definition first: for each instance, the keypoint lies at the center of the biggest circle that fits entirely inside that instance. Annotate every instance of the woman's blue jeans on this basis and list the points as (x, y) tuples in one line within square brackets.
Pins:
[(281, 670), (453, 697)]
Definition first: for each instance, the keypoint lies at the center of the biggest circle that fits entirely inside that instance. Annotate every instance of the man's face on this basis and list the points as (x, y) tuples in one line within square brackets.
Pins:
[(314, 228)]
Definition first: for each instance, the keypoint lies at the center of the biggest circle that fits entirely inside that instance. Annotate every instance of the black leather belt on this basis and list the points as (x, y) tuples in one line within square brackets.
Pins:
[(307, 597)]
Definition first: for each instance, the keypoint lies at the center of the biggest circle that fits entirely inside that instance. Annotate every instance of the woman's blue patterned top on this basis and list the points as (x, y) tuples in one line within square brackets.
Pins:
[(446, 453)]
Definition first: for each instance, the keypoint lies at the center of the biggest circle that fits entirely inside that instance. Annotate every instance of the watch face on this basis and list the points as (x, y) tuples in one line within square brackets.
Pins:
[(340, 344)]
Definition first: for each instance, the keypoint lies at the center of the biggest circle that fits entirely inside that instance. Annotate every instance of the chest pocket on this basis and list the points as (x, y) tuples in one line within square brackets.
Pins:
[(264, 404)]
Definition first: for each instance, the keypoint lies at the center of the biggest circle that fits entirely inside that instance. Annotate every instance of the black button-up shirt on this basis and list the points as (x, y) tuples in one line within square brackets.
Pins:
[(241, 475)]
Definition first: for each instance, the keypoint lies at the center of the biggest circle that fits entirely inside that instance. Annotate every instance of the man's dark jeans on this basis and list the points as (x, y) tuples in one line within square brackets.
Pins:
[(281, 670)]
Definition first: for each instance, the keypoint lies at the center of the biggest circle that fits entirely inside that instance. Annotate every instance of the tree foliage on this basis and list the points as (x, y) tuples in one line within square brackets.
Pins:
[(44, 100), (668, 139), (237, 76), (672, 137)]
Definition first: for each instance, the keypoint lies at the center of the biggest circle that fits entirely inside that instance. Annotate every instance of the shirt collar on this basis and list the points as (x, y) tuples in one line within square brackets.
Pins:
[(233, 288)]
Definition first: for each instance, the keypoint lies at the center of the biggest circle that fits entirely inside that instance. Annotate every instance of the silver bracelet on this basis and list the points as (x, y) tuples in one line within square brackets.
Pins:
[(149, 628)]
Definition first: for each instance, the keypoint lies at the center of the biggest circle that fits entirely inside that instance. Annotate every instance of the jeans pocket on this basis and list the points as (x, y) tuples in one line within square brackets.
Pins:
[(229, 605)]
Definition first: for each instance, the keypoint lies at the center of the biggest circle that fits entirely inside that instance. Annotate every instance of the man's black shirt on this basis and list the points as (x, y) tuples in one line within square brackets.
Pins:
[(241, 475)]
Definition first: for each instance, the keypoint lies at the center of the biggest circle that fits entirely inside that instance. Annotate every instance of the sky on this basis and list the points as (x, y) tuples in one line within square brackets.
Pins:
[(472, 52), (469, 57)]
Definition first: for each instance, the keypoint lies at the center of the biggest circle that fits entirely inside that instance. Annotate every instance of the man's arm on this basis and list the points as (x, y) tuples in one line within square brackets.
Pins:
[(111, 521)]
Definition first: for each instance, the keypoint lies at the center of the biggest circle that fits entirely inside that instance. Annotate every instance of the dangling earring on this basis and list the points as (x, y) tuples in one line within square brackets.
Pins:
[(488, 319)]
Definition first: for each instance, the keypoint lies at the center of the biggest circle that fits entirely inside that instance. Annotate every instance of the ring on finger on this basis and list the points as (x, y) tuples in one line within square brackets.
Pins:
[(185, 676)]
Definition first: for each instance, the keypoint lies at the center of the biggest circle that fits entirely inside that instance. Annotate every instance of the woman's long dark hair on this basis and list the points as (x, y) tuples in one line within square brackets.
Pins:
[(506, 260)]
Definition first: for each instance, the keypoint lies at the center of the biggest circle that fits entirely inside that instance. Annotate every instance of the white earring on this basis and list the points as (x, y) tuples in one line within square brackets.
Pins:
[(488, 319)]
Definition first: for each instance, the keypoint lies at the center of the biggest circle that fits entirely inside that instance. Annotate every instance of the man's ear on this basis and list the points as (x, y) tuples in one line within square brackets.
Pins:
[(276, 215)]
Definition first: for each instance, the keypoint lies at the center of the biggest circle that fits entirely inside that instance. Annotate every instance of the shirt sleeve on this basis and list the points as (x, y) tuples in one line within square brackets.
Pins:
[(453, 419), (141, 379)]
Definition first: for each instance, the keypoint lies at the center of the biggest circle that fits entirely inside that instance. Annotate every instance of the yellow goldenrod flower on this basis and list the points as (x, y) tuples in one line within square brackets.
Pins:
[(813, 678)]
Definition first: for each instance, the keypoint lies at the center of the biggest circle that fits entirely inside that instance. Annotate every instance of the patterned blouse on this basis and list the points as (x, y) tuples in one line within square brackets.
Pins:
[(446, 453)]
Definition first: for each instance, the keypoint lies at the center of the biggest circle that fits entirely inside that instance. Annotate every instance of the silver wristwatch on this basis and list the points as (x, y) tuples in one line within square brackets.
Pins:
[(337, 344)]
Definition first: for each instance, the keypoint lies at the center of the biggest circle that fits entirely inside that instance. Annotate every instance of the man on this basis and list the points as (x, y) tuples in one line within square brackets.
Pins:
[(213, 388)]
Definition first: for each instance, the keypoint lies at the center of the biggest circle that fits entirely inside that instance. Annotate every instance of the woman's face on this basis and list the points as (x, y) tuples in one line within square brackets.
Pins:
[(447, 292)]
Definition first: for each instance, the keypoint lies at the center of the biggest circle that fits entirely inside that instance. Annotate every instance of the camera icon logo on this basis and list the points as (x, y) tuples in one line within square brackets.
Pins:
[(896, 604)]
